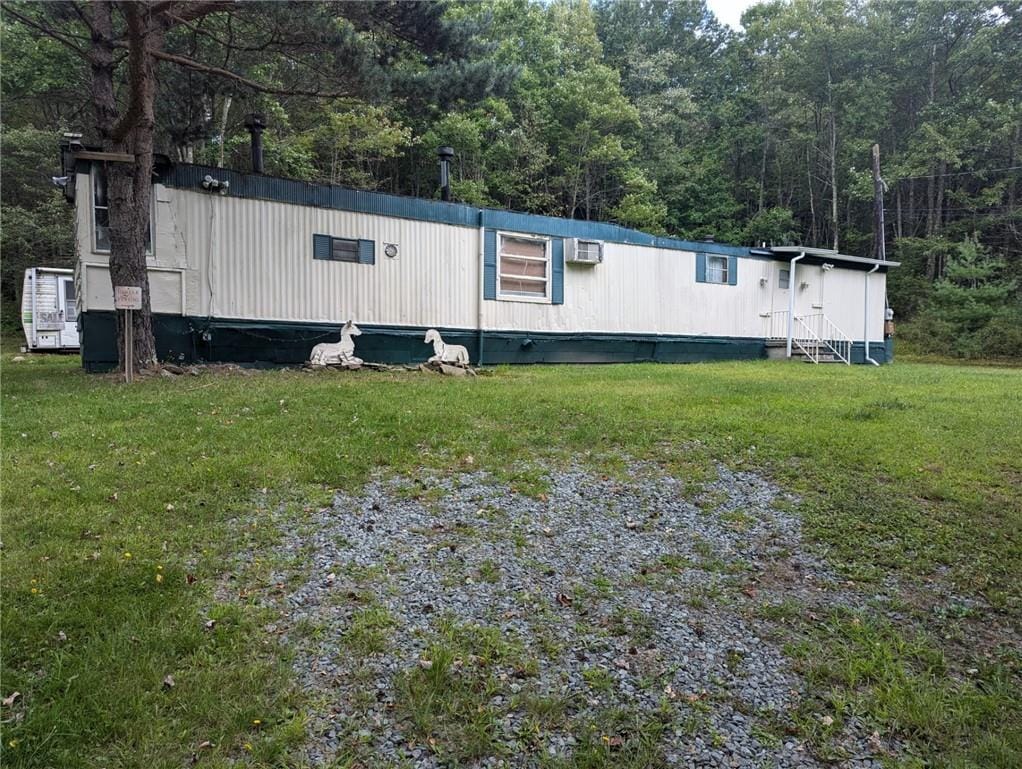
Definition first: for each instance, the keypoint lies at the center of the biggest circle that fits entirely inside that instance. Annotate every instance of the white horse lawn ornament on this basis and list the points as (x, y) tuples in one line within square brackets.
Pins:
[(445, 353), (338, 353)]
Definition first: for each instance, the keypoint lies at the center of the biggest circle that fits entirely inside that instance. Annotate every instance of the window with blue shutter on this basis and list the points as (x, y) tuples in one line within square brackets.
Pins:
[(700, 268), (714, 268), (334, 249), (557, 271), (490, 264), (367, 252)]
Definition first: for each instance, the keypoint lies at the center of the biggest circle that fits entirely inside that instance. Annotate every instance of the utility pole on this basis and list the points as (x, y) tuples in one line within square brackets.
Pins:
[(879, 244)]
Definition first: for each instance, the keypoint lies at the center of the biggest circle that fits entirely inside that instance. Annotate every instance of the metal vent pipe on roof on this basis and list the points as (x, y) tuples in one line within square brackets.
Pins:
[(255, 122), (446, 155)]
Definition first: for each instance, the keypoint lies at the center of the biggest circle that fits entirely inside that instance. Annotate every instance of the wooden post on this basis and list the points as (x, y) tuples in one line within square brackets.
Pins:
[(129, 299), (879, 240), (129, 348)]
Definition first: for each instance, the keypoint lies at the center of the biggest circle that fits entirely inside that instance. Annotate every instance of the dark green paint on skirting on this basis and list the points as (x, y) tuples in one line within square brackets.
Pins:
[(193, 339)]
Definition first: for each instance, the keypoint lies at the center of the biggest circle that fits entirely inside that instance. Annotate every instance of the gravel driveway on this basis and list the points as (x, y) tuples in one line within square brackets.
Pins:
[(609, 622)]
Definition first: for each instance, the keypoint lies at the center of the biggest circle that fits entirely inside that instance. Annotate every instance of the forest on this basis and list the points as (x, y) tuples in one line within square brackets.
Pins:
[(651, 114)]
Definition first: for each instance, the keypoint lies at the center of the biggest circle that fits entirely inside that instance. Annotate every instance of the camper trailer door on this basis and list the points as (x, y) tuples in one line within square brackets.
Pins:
[(68, 311)]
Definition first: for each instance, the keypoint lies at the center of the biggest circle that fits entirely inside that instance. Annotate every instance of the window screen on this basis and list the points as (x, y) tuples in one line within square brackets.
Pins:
[(524, 269), (716, 269)]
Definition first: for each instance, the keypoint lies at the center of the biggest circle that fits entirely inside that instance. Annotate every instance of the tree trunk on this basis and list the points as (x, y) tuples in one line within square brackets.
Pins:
[(897, 202), (833, 157), (129, 185), (812, 203), (762, 173)]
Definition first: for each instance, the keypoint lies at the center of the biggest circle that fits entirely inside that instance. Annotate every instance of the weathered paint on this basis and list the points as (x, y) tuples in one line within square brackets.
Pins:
[(43, 319), (248, 256), (191, 339)]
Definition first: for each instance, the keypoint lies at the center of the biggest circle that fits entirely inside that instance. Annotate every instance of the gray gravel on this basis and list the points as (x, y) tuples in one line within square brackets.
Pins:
[(649, 585)]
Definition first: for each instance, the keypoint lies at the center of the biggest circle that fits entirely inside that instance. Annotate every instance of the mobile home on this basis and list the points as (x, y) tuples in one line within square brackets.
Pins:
[(248, 267), (49, 309)]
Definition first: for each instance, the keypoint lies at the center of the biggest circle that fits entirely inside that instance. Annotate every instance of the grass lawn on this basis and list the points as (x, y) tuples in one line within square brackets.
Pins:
[(118, 506)]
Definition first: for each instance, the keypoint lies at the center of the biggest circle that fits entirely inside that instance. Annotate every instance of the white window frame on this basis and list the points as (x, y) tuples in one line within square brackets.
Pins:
[(781, 270), (511, 296), (711, 270), (150, 250)]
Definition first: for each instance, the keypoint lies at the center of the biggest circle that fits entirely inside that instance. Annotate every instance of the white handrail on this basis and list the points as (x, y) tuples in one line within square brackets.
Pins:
[(811, 333)]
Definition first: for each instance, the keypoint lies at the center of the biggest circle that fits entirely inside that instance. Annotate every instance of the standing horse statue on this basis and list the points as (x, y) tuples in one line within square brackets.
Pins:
[(338, 353), (445, 353)]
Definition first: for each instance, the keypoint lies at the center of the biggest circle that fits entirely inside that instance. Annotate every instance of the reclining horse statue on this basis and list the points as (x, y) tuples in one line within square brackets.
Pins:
[(338, 353), (445, 353)]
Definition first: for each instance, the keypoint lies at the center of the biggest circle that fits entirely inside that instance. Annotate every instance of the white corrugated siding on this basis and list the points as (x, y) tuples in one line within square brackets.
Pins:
[(252, 259)]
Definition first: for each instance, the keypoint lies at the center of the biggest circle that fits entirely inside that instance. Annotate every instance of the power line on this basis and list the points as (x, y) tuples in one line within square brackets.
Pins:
[(960, 173)]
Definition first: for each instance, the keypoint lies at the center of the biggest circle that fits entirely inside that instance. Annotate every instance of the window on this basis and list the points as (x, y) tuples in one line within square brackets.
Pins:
[(70, 310), (524, 267), (343, 250), (784, 277), (100, 210), (716, 269), (101, 213), (334, 249)]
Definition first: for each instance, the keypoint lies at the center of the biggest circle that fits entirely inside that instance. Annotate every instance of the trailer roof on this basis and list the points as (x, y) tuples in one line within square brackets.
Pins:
[(829, 253), (298, 192)]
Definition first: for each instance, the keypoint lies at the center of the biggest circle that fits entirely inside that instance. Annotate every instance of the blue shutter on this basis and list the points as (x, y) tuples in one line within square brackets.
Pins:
[(367, 252), (557, 271), (732, 270), (700, 268), (321, 247), (490, 264)]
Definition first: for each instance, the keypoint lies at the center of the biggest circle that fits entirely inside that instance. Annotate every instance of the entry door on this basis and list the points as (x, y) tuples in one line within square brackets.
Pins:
[(68, 311), (781, 282)]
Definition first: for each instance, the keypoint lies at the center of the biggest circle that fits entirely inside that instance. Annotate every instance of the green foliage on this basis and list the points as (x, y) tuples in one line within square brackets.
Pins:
[(971, 311), (773, 226), (646, 113), (38, 226)]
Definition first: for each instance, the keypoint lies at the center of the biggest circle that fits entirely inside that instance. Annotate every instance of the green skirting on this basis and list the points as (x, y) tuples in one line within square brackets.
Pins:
[(193, 339)]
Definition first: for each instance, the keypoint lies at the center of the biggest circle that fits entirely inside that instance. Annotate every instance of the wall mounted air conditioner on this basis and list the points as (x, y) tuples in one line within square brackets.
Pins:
[(582, 251)]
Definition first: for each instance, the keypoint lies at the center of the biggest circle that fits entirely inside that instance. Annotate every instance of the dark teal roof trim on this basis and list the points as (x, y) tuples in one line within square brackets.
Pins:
[(323, 195), (345, 199)]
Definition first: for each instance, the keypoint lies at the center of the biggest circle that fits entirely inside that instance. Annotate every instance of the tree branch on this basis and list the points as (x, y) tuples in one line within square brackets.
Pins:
[(63, 39), (181, 12), (184, 61)]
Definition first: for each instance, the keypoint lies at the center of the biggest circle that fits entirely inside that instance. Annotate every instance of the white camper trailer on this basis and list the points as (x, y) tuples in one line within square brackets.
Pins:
[(49, 311)]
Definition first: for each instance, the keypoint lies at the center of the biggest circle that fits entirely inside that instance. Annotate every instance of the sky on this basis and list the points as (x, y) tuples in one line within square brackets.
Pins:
[(729, 11)]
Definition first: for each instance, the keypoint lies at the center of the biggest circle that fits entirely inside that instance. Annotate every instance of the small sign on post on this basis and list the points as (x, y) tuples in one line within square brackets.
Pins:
[(128, 298)]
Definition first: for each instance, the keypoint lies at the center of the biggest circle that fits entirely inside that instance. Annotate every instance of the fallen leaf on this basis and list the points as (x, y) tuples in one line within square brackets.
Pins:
[(189, 579), (210, 624), (8, 701), (826, 720), (564, 600), (168, 682), (425, 664)]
